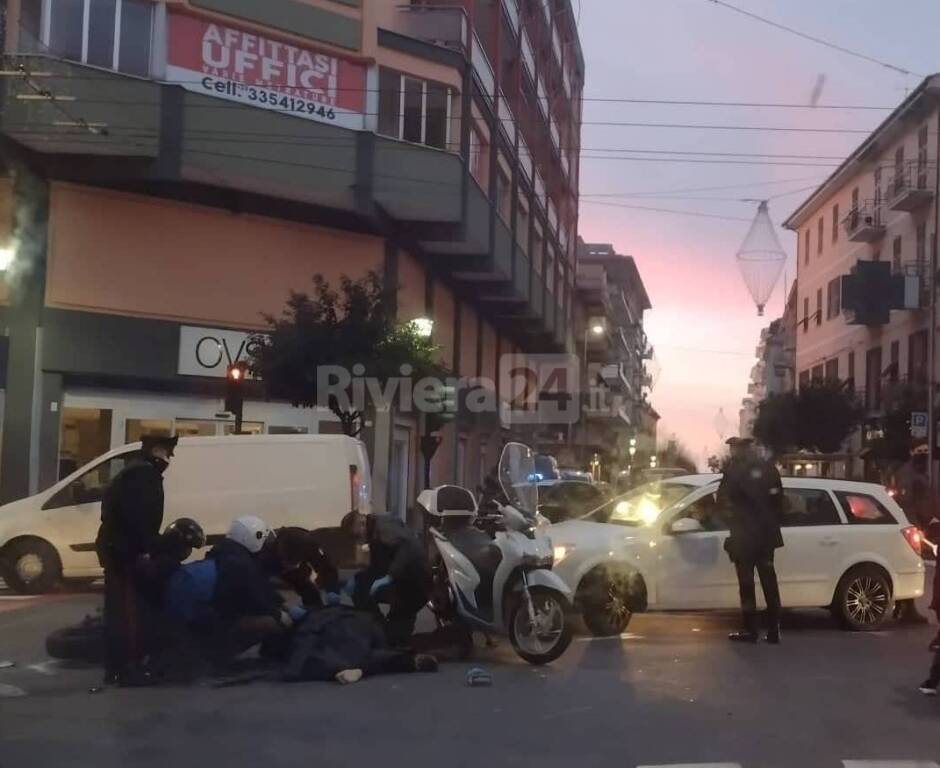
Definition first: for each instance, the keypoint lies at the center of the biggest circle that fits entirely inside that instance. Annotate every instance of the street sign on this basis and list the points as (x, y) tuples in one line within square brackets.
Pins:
[(919, 425)]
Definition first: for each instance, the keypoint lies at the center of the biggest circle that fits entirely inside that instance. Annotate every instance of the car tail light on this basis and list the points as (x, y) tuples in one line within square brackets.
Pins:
[(914, 537), (353, 488)]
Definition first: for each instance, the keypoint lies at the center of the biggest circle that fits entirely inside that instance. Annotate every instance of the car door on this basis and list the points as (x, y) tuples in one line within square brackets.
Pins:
[(814, 542), (76, 508), (692, 569)]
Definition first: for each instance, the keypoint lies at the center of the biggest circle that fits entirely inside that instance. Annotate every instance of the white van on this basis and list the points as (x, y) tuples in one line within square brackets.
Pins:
[(310, 481)]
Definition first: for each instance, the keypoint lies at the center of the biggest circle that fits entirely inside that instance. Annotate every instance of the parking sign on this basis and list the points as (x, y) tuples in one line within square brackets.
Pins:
[(918, 425)]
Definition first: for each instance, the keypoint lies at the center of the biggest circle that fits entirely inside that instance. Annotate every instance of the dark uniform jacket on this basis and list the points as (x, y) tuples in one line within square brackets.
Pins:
[(751, 494), (394, 549), (300, 546), (131, 514), (242, 585)]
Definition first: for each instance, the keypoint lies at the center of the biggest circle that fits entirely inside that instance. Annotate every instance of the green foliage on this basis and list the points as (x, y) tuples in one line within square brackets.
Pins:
[(353, 328), (817, 418)]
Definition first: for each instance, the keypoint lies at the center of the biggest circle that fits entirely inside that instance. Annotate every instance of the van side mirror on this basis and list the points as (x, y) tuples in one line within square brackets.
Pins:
[(686, 525)]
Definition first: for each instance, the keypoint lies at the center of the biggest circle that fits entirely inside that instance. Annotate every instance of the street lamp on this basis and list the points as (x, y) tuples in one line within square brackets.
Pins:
[(423, 326)]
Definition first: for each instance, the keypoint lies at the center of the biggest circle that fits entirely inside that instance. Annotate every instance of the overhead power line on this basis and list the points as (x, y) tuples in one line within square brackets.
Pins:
[(813, 38), (694, 214)]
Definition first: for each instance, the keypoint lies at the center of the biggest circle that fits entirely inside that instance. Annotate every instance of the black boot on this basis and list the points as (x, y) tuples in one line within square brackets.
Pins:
[(773, 635), (749, 633)]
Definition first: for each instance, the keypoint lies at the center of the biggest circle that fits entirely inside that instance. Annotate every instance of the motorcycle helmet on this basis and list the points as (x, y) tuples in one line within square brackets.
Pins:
[(251, 532), (183, 536)]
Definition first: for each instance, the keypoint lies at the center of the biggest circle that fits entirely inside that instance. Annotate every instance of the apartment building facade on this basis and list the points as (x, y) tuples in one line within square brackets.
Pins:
[(173, 170), (867, 243), (774, 373), (614, 349)]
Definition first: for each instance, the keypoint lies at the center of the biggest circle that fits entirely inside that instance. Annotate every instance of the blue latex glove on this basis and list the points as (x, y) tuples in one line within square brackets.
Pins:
[(296, 612), (332, 598), (379, 584)]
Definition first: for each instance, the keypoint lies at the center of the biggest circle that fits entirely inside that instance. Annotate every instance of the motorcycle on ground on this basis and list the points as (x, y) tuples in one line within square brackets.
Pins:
[(492, 566)]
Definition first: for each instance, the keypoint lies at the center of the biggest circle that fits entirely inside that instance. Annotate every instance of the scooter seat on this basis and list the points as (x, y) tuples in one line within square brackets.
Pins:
[(479, 549)]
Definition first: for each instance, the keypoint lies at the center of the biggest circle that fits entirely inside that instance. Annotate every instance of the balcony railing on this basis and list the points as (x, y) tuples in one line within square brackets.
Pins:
[(526, 159), (863, 224), (446, 26), (507, 121), (913, 187), (528, 56)]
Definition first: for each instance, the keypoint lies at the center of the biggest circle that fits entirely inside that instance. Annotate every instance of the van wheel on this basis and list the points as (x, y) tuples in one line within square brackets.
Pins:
[(864, 599), (31, 566)]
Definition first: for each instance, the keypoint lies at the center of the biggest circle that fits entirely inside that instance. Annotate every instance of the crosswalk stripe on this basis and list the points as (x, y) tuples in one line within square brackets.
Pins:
[(694, 765), (889, 764)]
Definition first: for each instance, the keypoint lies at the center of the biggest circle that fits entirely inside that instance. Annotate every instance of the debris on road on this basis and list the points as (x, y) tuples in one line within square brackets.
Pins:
[(479, 677)]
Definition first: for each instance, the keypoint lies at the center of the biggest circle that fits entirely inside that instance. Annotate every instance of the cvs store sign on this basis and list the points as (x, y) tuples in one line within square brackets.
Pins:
[(210, 351)]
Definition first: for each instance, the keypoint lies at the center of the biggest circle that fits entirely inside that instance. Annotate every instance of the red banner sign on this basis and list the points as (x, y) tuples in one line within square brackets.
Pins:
[(229, 63)]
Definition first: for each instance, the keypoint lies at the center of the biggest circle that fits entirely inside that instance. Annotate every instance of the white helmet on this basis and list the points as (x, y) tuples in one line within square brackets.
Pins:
[(250, 532)]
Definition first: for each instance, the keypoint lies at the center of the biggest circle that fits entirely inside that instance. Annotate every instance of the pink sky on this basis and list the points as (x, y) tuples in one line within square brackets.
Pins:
[(704, 325)]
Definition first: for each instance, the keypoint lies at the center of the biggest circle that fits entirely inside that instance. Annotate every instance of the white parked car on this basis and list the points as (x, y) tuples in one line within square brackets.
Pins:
[(848, 547)]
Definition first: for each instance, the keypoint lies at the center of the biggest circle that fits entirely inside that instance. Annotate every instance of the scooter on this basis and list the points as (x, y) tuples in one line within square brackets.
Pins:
[(493, 570)]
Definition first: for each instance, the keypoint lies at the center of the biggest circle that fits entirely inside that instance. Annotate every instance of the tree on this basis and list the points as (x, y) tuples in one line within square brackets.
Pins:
[(677, 455), (827, 413), (894, 446), (776, 424), (352, 330), (818, 418)]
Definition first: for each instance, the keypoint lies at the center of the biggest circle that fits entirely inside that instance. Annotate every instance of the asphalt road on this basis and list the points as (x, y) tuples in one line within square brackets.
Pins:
[(672, 691)]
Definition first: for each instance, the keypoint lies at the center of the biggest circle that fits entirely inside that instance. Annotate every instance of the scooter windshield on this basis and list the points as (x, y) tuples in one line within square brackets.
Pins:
[(517, 477)]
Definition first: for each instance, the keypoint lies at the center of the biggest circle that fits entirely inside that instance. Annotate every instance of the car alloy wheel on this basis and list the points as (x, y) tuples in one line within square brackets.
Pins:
[(867, 600)]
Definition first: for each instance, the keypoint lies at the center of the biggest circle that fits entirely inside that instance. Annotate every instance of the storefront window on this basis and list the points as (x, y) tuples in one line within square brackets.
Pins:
[(248, 428), (135, 429), (86, 434), (196, 428)]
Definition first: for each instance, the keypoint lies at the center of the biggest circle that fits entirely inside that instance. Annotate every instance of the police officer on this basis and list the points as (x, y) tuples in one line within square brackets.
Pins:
[(751, 493), (131, 518), (398, 572)]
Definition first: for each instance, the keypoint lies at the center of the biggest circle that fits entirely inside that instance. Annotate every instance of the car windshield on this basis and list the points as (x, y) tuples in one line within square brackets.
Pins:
[(641, 506)]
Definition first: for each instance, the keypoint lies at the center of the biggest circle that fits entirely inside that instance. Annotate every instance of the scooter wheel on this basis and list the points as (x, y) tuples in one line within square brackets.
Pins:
[(550, 638)]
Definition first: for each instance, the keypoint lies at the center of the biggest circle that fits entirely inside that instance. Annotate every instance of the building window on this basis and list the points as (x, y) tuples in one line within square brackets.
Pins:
[(415, 110), (835, 223), (819, 373), (832, 369), (538, 249), (855, 200), (114, 34), (821, 224), (834, 298), (922, 136), (921, 252), (873, 379), (819, 315), (896, 255), (806, 315), (899, 169), (550, 269), (503, 195), (917, 357), (479, 157), (804, 379), (806, 247), (850, 373), (877, 211), (523, 222), (894, 372)]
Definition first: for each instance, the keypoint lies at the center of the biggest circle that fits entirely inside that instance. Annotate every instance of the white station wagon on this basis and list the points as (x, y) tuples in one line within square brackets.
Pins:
[(848, 548)]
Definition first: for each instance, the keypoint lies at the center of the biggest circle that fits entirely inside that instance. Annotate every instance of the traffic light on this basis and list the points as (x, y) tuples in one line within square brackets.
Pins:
[(235, 376)]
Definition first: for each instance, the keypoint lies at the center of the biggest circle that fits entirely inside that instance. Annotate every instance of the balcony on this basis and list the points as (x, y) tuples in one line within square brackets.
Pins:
[(511, 8), (864, 225), (911, 189), (445, 26)]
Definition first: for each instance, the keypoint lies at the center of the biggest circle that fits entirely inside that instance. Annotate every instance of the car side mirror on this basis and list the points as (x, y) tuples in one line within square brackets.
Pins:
[(686, 525)]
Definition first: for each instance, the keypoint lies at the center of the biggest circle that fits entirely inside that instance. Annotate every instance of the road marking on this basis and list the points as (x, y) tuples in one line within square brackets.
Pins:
[(10, 691), (48, 668), (11, 598), (889, 764), (693, 765), (574, 711), (624, 636)]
